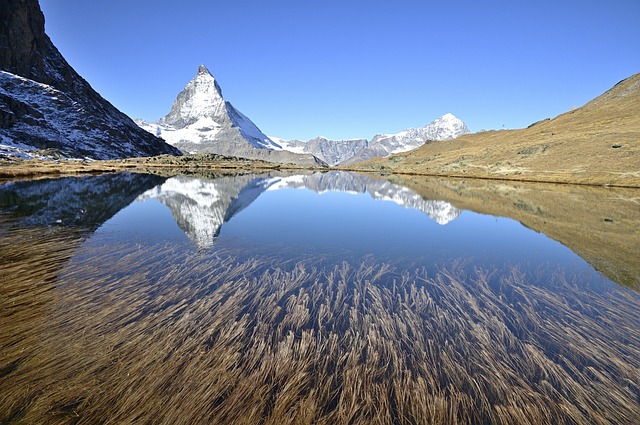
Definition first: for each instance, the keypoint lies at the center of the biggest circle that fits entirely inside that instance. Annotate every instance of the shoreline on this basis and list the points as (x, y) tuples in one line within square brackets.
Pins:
[(18, 169), (577, 182)]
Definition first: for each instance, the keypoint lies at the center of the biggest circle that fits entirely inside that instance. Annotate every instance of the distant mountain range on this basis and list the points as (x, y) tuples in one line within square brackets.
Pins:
[(345, 152), (333, 152), (45, 104), (597, 144), (202, 121)]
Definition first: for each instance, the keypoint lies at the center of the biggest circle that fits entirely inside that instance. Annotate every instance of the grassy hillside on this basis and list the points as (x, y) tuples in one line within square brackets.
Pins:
[(598, 143)]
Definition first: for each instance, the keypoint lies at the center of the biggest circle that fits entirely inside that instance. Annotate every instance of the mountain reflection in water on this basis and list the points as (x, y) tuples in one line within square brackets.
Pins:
[(201, 206), (83, 202)]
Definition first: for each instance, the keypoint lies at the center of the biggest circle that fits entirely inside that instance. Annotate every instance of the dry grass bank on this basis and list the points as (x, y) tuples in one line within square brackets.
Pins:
[(596, 144), (156, 335), (13, 168)]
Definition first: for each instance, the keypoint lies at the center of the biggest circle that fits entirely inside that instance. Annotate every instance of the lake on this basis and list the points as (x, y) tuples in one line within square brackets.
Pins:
[(317, 298)]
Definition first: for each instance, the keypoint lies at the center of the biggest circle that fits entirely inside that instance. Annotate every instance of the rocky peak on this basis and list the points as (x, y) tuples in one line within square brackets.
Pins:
[(447, 126), (202, 70), (201, 98)]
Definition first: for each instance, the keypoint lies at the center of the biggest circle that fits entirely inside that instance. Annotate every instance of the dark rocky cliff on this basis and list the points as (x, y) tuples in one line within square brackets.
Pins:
[(63, 112)]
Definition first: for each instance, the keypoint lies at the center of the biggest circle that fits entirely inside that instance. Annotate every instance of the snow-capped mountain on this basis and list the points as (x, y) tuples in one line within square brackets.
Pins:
[(443, 128), (201, 120), (344, 152), (446, 127), (200, 207), (45, 104), (333, 152)]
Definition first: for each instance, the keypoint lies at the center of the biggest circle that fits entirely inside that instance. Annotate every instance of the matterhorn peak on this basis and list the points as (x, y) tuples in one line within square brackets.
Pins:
[(202, 97), (201, 120), (202, 70)]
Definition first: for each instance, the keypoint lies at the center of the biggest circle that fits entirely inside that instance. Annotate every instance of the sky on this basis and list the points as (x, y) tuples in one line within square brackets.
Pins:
[(350, 68)]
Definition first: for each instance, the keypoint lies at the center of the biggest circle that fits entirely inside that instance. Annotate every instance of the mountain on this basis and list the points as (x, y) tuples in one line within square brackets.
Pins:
[(382, 145), (333, 152), (201, 206), (345, 152), (598, 143), (202, 121), (45, 104)]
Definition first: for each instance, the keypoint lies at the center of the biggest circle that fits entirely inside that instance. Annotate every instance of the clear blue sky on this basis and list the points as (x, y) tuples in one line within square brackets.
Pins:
[(351, 68)]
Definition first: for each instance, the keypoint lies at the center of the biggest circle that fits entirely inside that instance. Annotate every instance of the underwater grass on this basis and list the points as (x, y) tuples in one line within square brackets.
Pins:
[(123, 333)]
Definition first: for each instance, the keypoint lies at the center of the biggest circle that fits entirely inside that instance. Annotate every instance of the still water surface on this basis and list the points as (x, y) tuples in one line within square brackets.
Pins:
[(338, 213), (320, 298)]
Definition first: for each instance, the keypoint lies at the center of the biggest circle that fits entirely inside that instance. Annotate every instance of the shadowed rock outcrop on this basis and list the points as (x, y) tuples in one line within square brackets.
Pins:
[(45, 104)]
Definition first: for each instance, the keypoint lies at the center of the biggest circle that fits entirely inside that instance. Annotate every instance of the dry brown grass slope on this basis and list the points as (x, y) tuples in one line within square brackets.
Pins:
[(598, 143)]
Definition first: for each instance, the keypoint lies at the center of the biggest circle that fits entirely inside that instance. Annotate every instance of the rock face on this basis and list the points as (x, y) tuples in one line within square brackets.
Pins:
[(333, 152), (202, 121), (45, 104)]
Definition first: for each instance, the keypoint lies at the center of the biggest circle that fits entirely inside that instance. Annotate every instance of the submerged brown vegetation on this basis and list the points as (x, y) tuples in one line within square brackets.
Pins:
[(156, 334)]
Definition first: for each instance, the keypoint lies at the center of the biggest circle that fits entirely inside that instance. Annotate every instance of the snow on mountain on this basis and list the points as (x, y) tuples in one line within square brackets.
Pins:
[(446, 127), (443, 128), (45, 104), (42, 117), (201, 120), (295, 146), (201, 98), (344, 152), (250, 131)]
